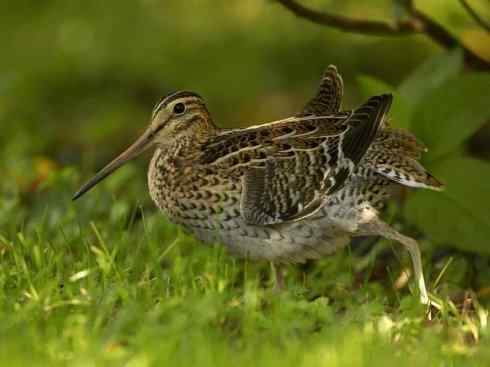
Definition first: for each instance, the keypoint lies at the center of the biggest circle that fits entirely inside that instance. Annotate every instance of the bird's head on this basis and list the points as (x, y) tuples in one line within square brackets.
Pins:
[(180, 116)]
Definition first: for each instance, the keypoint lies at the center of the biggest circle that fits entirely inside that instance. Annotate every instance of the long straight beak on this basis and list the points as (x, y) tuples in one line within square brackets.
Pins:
[(138, 147)]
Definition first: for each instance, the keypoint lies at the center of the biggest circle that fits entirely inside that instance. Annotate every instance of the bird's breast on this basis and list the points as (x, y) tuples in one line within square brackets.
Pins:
[(195, 197)]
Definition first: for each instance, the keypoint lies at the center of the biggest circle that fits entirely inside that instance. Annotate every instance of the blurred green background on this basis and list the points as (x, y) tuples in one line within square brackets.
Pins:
[(108, 281), (78, 81)]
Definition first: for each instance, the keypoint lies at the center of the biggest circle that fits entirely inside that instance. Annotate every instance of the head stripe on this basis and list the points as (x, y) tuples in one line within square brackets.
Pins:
[(172, 97)]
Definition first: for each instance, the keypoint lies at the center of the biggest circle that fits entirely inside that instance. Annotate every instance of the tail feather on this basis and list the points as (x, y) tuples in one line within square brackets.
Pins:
[(405, 171), (365, 123)]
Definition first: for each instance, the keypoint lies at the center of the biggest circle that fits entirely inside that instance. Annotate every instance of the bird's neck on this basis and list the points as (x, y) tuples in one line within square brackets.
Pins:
[(185, 148)]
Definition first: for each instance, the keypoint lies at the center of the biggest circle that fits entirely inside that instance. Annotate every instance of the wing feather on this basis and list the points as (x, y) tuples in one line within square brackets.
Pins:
[(288, 168), (329, 95)]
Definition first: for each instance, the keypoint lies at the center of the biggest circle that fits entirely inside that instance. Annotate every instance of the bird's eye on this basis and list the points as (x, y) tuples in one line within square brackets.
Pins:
[(179, 108)]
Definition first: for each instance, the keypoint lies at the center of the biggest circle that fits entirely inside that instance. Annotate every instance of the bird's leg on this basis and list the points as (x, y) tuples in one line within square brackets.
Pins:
[(279, 284), (376, 227)]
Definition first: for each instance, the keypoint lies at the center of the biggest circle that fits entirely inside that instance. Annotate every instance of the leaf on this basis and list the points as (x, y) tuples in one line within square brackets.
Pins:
[(430, 75), (400, 112), (460, 215), (452, 113)]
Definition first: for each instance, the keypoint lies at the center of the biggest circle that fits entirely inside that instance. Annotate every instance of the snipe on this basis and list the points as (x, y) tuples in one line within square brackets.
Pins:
[(284, 191)]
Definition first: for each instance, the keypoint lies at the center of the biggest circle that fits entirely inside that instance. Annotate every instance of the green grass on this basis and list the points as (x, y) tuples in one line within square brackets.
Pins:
[(106, 282)]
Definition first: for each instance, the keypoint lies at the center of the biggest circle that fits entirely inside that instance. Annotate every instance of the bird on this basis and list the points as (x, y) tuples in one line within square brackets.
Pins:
[(286, 191)]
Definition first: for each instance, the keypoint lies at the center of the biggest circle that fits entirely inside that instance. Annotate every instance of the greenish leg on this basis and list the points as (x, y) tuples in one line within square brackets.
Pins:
[(380, 228)]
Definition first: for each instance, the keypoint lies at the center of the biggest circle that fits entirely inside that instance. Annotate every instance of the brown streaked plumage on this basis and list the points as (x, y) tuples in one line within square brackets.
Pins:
[(284, 191)]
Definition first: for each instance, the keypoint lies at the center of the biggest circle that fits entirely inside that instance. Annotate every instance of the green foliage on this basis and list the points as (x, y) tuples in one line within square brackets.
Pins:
[(430, 75), (453, 112), (122, 287), (444, 107), (457, 216)]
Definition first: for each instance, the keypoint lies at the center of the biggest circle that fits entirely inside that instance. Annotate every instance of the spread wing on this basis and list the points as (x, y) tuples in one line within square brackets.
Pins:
[(288, 168), (328, 99)]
